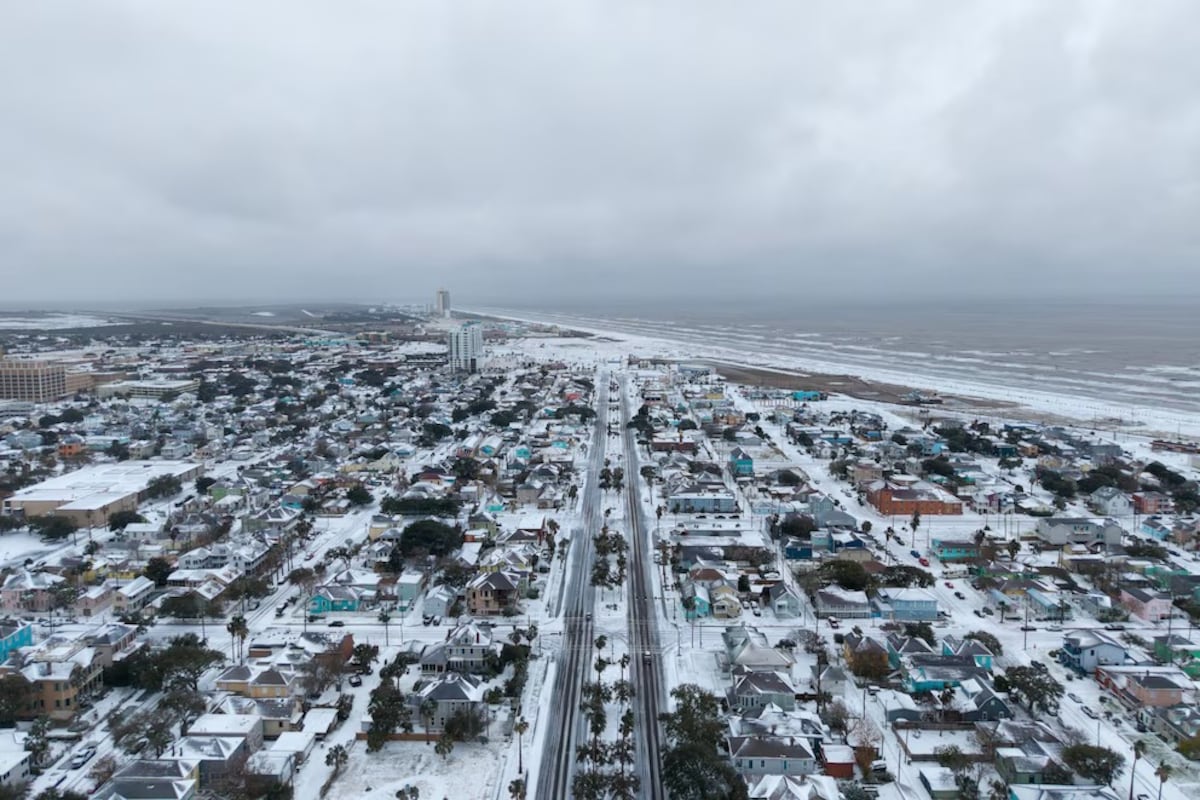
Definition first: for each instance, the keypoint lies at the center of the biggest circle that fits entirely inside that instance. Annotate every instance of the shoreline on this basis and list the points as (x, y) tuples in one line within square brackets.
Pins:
[(1025, 403), (845, 384)]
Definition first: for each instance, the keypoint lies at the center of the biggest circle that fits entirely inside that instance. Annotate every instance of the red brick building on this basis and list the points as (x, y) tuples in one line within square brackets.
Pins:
[(926, 500)]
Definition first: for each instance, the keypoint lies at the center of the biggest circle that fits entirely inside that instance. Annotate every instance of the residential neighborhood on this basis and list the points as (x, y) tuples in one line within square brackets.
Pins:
[(268, 566)]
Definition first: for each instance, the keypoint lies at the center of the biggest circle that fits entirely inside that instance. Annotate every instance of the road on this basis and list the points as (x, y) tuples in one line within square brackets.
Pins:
[(574, 665), (646, 666)]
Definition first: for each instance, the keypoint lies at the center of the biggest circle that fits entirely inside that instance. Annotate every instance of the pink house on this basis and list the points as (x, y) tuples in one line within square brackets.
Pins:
[(1145, 604)]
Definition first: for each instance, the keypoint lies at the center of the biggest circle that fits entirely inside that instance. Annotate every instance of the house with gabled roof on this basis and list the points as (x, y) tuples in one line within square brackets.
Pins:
[(955, 646), (449, 694), (757, 688), (975, 700), (493, 593)]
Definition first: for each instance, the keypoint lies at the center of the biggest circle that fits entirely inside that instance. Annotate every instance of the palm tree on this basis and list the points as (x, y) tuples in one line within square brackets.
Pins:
[(1162, 773), (238, 631), (336, 757), (427, 710), (1139, 750), (385, 618), (521, 726), (306, 579)]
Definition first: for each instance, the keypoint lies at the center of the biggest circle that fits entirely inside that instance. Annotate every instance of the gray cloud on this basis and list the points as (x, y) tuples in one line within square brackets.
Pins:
[(370, 150)]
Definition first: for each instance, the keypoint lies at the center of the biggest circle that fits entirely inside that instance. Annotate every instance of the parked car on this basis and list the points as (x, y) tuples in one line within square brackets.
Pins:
[(83, 756), (338, 623), (355, 680), (988, 611), (1088, 710), (923, 561), (914, 553), (960, 595), (1028, 628), (1075, 697), (427, 619), (949, 585)]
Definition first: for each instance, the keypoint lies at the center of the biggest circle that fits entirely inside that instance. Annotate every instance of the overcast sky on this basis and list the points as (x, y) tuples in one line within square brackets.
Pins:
[(177, 151)]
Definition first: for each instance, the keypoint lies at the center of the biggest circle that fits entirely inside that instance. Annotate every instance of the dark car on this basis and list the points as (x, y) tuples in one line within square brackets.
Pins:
[(338, 623), (355, 680)]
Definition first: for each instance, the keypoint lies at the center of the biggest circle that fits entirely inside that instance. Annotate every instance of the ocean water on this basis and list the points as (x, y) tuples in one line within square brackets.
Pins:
[(1137, 353)]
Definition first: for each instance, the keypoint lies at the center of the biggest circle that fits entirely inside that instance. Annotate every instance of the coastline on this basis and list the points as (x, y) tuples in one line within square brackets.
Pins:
[(845, 384), (1017, 403)]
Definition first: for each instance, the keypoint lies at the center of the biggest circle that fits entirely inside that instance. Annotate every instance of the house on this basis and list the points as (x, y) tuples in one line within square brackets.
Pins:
[(1152, 503), (217, 755), (754, 756), (725, 602), (1146, 604), (742, 651), (133, 596), (935, 672), (741, 465), (147, 779), (14, 635), (906, 499), (906, 605), (24, 590), (94, 601), (781, 600), (244, 726), (1179, 650), (1140, 686), (1059, 531), (334, 598), (785, 787), (1109, 501), (447, 695), (60, 676), (696, 602), (900, 646), (1085, 650), (756, 688), (492, 593), (469, 648), (973, 648), (112, 643), (835, 602), (278, 716), (975, 701), (14, 770), (859, 649), (954, 550), (438, 601), (1173, 723)]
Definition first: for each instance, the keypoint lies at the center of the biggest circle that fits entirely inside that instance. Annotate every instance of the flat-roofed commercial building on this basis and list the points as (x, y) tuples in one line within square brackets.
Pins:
[(149, 387), (90, 495), (36, 381)]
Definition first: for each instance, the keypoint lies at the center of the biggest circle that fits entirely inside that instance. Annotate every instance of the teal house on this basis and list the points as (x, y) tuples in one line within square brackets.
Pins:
[(741, 465), (696, 594), (948, 550), (334, 598), (14, 635)]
